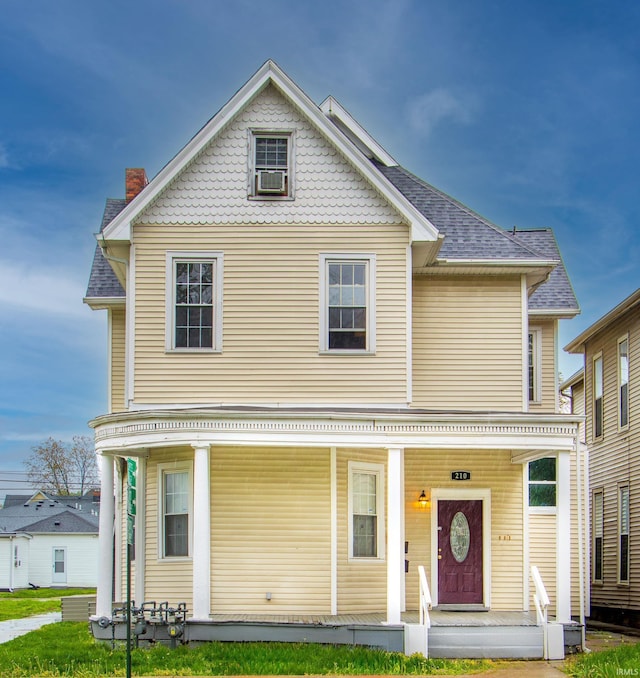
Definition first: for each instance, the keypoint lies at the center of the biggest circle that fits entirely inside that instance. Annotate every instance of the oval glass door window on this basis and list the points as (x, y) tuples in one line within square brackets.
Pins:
[(459, 537)]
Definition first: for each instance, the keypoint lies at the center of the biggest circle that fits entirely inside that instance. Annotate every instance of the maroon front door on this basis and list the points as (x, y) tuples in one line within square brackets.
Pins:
[(459, 552)]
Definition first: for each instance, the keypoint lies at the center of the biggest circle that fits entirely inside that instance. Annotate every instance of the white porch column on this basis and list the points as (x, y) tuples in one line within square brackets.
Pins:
[(201, 534), (563, 538), (104, 597), (395, 546)]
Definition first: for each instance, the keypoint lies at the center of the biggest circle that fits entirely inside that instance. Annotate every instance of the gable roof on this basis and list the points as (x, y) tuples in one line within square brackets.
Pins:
[(463, 235), (48, 515), (630, 303), (269, 73)]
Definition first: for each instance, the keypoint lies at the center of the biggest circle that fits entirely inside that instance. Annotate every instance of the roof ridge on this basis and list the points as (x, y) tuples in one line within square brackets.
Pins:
[(500, 231)]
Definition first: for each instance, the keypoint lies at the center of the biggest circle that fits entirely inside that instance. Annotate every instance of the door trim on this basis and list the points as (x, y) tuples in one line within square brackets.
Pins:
[(54, 580), (483, 494)]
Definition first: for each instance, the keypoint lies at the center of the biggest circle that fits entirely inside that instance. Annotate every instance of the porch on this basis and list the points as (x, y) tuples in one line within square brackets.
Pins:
[(490, 634)]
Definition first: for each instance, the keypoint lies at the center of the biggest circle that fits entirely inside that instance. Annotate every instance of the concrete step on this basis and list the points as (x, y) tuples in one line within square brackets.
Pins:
[(486, 642)]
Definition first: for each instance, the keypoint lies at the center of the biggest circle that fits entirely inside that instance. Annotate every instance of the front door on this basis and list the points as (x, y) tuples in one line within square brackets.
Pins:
[(59, 575), (460, 552)]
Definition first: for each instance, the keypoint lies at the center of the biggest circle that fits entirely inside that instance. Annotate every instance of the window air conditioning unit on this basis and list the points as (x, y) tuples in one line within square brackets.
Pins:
[(270, 181)]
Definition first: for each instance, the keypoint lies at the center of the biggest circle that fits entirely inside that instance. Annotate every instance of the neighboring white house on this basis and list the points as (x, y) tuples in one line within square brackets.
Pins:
[(49, 541)]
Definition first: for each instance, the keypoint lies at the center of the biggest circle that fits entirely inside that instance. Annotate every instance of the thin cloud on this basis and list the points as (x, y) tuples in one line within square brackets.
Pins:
[(44, 291), (429, 110)]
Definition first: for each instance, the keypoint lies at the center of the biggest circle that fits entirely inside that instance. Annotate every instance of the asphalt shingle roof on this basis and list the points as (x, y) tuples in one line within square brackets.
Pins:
[(556, 292), (42, 516), (467, 235), (103, 281)]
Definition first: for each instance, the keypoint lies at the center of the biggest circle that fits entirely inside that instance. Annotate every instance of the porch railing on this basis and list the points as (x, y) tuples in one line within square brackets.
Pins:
[(425, 598), (541, 601)]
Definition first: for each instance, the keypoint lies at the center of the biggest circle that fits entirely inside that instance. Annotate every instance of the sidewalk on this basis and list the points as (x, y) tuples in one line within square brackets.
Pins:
[(18, 627)]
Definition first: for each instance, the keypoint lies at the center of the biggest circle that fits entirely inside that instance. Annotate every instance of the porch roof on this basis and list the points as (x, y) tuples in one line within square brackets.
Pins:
[(524, 434)]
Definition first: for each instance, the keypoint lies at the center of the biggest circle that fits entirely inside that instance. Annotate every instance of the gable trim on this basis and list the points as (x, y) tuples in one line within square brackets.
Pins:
[(422, 230)]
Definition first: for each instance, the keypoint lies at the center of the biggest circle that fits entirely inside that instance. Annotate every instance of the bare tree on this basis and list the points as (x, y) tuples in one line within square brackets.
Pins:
[(60, 468)]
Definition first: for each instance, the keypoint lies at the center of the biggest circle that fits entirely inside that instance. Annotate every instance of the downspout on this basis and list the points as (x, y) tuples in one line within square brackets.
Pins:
[(11, 565), (581, 577)]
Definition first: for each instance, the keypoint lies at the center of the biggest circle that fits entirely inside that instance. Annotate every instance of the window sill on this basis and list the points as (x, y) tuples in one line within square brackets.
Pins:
[(369, 561), (346, 352), (183, 351), (175, 559), (271, 198), (543, 510)]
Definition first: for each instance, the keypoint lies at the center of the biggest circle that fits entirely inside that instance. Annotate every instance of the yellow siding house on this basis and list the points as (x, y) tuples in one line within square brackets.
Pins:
[(338, 385)]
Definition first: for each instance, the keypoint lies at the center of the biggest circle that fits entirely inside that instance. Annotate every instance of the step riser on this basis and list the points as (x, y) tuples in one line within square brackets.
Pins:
[(456, 642)]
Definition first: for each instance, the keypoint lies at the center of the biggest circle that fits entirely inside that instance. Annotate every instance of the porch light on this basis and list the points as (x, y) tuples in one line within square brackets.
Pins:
[(424, 501)]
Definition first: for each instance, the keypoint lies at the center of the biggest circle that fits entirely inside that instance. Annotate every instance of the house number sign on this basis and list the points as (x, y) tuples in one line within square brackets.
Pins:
[(460, 475)]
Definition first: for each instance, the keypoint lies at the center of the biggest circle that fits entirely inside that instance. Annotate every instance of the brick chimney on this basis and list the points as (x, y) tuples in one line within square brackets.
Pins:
[(135, 180)]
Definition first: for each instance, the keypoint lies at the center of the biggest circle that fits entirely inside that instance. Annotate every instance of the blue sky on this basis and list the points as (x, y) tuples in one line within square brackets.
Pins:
[(526, 111)]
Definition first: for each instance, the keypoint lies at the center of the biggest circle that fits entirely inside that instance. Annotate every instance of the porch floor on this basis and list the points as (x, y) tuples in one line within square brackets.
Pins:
[(438, 618)]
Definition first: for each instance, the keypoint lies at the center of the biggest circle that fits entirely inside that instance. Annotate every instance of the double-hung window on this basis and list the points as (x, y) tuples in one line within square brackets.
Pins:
[(175, 502), (347, 303), (534, 364), (271, 174), (597, 396), (623, 382), (542, 483), (623, 534), (598, 534), (366, 511), (194, 301)]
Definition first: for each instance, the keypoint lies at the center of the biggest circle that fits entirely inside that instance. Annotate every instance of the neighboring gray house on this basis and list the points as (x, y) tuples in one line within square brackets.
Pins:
[(46, 540)]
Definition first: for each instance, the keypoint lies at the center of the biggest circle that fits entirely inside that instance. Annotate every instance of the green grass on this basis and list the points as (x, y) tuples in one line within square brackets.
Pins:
[(619, 661), (68, 649), (27, 602)]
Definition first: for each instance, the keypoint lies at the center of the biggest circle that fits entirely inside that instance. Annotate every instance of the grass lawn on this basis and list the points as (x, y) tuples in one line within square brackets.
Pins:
[(623, 660), (27, 602), (68, 649)]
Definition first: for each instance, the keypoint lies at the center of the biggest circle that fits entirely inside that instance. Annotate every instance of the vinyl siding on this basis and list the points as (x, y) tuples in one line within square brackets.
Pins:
[(166, 579), (429, 469), (362, 584), (467, 343), (615, 458), (271, 530), (81, 558), (117, 366), (270, 348), (12, 575), (542, 539), (548, 386)]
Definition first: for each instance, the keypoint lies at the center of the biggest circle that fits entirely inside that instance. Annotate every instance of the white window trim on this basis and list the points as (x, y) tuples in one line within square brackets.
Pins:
[(288, 134), (342, 257), (596, 357), (172, 257), (542, 510), (597, 492), (627, 581), (536, 332), (378, 471), (175, 467), (624, 427)]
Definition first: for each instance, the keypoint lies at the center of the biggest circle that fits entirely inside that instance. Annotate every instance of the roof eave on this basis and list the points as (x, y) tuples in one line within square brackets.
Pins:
[(578, 344), (101, 303)]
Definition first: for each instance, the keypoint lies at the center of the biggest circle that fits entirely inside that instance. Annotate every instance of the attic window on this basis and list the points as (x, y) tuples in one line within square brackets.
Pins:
[(271, 172)]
